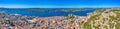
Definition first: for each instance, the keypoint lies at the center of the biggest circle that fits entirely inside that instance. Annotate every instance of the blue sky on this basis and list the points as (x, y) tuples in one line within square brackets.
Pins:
[(58, 3)]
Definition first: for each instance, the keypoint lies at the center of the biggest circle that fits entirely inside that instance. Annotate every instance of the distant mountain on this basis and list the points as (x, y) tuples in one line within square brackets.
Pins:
[(48, 9)]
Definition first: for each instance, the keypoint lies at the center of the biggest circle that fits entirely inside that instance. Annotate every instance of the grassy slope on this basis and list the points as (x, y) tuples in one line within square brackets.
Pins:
[(93, 18)]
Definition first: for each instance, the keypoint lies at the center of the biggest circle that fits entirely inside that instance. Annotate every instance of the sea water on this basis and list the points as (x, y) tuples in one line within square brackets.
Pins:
[(45, 14)]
